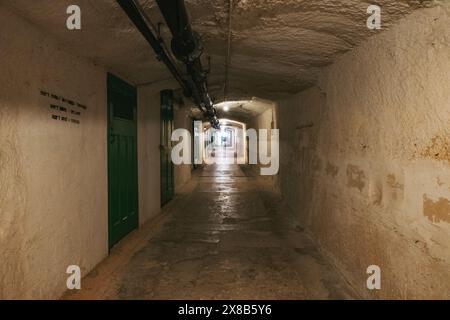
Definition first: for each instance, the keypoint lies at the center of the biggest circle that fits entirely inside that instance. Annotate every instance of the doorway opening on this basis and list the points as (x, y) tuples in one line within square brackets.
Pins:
[(123, 214)]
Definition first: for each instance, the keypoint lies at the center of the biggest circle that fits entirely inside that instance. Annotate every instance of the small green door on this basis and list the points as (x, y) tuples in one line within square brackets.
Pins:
[(122, 159), (167, 172)]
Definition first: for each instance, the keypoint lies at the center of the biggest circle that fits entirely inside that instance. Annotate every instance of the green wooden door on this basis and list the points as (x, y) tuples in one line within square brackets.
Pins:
[(167, 172), (122, 159)]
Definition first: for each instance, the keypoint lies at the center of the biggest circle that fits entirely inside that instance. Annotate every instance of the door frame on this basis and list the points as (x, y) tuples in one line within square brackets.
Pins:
[(115, 82), (166, 97)]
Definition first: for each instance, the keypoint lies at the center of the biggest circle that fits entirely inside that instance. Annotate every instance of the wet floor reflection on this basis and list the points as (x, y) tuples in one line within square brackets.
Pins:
[(228, 237)]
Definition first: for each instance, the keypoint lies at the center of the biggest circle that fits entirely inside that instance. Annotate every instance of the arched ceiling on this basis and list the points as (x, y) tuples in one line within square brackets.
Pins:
[(239, 110), (278, 46)]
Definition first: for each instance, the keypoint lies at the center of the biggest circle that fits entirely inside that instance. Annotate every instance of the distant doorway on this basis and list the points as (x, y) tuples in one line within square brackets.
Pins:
[(167, 170)]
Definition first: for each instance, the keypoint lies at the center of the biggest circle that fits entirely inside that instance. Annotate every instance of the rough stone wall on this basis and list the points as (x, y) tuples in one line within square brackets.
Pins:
[(53, 175), (53, 187), (12, 190), (365, 161), (268, 121), (263, 120), (149, 102)]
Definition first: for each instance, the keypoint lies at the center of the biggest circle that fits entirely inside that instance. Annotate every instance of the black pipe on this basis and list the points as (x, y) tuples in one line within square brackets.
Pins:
[(134, 14), (187, 47), (185, 43)]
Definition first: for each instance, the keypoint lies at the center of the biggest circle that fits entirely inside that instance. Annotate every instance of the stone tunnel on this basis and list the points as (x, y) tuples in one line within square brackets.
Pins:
[(224, 149)]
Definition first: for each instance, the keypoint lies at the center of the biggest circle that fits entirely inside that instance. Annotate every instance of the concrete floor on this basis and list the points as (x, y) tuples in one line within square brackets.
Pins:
[(227, 236)]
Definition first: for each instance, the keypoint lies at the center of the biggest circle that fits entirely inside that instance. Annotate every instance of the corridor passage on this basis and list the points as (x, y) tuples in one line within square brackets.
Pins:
[(227, 235), (225, 149)]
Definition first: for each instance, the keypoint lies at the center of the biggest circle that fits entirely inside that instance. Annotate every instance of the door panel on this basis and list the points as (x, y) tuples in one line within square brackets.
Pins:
[(122, 159), (167, 170)]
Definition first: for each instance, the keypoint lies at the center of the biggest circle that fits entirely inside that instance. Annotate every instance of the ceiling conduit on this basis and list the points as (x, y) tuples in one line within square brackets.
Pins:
[(186, 47)]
